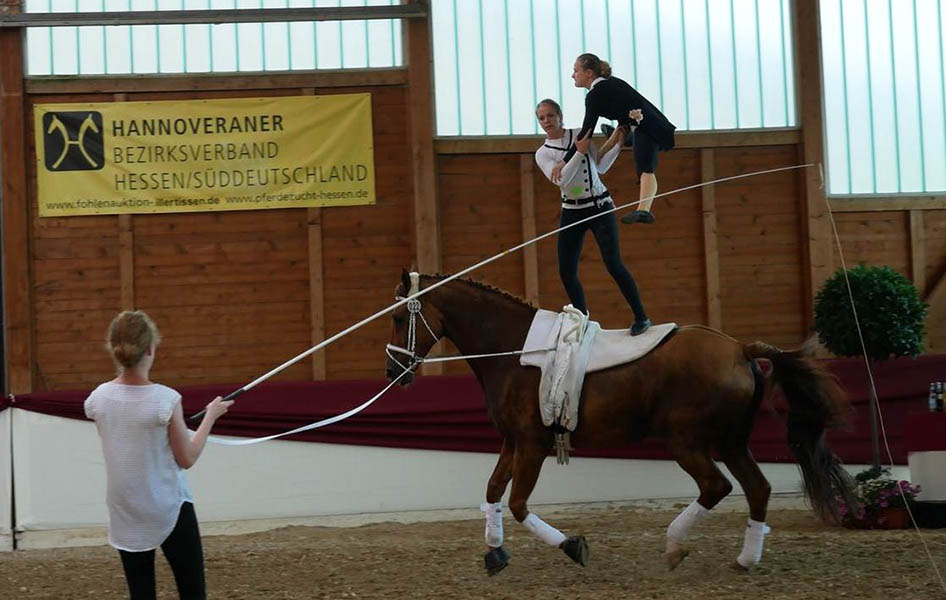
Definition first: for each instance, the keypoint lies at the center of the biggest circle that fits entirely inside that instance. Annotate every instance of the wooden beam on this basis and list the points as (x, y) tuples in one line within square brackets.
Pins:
[(126, 250), (936, 298), (530, 257), (413, 10), (316, 290), (316, 283), (816, 224), (714, 313), (126, 259), (521, 144), (880, 202), (17, 297), (917, 251), (420, 112), (395, 76)]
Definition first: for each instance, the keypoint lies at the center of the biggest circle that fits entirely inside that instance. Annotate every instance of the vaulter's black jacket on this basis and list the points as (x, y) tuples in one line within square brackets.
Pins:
[(613, 98)]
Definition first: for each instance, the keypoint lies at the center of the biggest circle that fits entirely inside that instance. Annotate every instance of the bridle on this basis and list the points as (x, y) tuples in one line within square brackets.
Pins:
[(414, 310)]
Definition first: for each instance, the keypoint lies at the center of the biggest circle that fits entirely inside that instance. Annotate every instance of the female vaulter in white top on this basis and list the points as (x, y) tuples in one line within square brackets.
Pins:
[(583, 197)]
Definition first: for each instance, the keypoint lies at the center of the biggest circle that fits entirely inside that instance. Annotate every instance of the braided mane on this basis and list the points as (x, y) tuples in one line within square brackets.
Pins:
[(486, 288)]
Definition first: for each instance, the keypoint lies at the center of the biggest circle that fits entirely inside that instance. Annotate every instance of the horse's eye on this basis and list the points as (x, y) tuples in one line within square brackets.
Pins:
[(398, 320)]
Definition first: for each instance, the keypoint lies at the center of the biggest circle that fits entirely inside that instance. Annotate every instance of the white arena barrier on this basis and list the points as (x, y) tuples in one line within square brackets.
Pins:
[(6, 482), (59, 477)]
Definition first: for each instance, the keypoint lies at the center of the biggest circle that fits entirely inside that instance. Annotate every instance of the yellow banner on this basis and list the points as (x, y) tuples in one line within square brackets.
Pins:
[(204, 155)]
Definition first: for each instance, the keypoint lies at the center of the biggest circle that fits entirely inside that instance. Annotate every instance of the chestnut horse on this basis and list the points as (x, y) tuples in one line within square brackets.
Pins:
[(699, 390)]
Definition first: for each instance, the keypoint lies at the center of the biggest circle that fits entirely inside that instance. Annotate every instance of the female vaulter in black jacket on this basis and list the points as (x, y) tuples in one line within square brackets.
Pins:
[(615, 99)]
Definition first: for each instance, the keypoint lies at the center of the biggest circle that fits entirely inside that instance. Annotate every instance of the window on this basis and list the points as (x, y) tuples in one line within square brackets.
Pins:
[(884, 96), (708, 64), (230, 47)]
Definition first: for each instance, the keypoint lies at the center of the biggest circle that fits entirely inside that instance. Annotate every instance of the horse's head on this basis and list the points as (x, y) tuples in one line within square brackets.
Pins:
[(415, 327)]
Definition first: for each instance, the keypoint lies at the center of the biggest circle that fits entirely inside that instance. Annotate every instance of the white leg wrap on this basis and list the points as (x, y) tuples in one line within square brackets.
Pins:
[(494, 523), (544, 531), (680, 528), (752, 546)]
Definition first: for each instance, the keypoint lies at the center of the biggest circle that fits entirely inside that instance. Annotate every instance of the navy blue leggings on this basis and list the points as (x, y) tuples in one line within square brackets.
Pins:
[(605, 230), (185, 555)]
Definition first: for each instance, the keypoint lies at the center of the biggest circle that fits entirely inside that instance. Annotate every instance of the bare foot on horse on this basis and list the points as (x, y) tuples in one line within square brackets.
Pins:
[(675, 557), (576, 548)]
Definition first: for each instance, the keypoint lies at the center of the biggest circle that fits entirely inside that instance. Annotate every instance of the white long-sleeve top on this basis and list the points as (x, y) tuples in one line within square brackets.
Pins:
[(580, 178), (145, 486)]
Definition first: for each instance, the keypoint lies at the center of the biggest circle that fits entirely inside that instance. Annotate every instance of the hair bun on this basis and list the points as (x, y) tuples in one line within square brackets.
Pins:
[(605, 69)]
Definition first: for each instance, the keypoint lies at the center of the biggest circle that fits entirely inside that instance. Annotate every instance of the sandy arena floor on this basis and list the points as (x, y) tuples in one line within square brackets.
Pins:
[(803, 559)]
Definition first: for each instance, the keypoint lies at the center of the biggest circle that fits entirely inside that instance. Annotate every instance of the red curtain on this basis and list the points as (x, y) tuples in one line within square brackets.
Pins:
[(448, 413)]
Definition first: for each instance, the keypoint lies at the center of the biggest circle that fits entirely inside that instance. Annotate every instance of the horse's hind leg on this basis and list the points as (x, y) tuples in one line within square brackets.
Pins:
[(525, 472), (713, 487), (746, 471), (496, 557)]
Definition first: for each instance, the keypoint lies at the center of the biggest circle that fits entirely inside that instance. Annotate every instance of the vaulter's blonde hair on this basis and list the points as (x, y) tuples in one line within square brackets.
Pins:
[(130, 335)]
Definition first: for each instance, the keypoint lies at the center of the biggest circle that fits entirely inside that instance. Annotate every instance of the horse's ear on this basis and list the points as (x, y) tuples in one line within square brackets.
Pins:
[(406, 280)]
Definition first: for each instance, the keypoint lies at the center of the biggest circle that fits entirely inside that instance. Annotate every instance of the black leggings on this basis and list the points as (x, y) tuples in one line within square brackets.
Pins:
[(605, 230), (183, 552)]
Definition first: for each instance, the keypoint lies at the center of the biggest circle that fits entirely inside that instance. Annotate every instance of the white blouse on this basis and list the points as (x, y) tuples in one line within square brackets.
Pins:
[(580, 174), (145, 486)]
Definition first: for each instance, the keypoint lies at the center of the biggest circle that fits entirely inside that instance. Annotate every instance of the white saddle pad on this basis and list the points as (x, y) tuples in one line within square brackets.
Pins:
[(611, 347)]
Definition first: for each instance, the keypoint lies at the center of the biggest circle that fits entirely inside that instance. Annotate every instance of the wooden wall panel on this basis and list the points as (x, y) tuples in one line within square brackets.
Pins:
[(228, 289), (874, 238), (934, 227), (480, 217), (934, 222), (934, 230), (760, 253)]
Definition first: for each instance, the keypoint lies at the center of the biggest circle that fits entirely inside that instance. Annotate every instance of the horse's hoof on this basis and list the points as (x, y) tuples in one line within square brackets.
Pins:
[(577, 549), (495, 560), (735, 566), (675, 557)]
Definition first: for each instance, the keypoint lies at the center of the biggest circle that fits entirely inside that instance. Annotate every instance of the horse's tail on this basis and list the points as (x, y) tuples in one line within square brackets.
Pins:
[(816, 402)]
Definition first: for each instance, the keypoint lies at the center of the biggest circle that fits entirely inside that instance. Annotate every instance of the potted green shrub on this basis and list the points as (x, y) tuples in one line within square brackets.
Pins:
[(890, 312)]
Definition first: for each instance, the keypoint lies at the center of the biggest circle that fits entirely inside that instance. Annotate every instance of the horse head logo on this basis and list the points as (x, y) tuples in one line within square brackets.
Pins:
[(73, 141)]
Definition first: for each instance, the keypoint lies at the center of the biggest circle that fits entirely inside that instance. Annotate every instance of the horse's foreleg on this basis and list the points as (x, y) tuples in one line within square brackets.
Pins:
[(757, 489), (713, 487), (526, 466), (496, 558)]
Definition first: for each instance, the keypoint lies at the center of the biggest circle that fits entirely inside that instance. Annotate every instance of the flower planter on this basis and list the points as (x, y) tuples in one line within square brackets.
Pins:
[(893, 518), (878, 501), (886, 518)]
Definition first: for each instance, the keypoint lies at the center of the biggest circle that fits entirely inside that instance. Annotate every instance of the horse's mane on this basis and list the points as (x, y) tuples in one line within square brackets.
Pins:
[(485, 287)]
